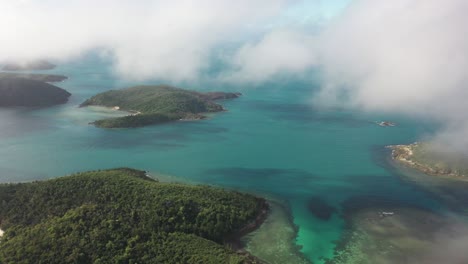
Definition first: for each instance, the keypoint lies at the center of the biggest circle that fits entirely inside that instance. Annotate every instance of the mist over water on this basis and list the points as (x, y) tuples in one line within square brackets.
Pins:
[(271, 141)]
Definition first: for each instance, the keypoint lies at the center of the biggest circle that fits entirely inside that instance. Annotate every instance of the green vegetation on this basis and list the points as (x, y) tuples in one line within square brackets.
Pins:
[(34, 76), (30, 93), (156, 104), (121, 216)]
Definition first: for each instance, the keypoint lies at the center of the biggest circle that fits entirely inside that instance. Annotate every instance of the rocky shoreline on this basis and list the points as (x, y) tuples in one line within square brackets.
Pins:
[(406, 155), (234, 240)]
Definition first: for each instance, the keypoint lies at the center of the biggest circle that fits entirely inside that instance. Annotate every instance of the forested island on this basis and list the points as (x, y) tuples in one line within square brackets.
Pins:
[(428, 159), (34, 76), (30, 93), (149, 105), (35, 65), (122, 216)]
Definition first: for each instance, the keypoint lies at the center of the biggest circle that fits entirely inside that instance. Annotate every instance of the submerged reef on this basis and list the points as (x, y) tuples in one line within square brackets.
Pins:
[(395, 233)]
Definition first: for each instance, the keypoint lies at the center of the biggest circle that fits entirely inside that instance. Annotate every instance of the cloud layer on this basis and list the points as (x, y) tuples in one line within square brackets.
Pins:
[(148, 39), (400, 56), (405, 56)]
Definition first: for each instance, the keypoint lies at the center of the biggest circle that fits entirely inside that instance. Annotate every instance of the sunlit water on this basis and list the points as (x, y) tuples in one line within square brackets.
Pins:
[(272, 141)]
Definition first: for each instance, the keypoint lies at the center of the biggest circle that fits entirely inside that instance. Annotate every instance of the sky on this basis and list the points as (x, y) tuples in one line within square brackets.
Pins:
[(401, 56)]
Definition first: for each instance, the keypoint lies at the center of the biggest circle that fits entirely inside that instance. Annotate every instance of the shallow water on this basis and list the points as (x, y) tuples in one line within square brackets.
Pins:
[(272, 141)]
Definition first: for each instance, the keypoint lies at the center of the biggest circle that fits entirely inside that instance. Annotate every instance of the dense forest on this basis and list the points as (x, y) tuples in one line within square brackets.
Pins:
[(30, 93), (156, 104), (121, 216)]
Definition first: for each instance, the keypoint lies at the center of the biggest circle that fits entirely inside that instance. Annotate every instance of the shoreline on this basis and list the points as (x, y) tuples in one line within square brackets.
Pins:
[(405, 155), (234, 240), (274, 215), (274, 242)]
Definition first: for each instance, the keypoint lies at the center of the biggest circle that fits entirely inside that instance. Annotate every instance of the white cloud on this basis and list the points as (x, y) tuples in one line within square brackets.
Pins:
[(149, 39), (279, 52), (400, 56), (404, 56), (407, 56)]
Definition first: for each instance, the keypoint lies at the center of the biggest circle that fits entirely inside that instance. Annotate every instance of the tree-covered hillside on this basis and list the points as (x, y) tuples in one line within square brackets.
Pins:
[(121, 216), (30, 93), (156, 104)]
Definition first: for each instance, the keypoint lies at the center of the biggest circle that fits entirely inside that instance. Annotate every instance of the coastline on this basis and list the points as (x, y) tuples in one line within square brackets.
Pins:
[(234, 240), (274, 241), (270, 238), (405, 154)]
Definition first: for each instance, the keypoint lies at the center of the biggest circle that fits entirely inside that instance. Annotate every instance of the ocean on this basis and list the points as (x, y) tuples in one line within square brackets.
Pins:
[(272, 141)]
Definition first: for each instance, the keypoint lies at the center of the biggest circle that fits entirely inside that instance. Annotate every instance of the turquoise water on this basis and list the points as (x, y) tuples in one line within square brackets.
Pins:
[(272, 141)]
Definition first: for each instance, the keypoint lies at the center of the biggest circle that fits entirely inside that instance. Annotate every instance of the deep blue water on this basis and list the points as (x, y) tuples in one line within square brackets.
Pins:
[(272, 141)]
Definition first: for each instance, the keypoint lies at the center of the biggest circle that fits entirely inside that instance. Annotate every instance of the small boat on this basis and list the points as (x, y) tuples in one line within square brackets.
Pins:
[(387, 213)]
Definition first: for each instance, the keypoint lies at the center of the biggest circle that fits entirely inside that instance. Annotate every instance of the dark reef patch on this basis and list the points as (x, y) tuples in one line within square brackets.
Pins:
[(263, 173), (306, 113), (320, 208), (269, 180)]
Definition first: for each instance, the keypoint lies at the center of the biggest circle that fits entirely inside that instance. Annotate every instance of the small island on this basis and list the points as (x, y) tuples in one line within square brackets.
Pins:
[(385, 124), (34, 76), (123, 216), (20, 92), (429, 160), (35, 65), (149, 105)]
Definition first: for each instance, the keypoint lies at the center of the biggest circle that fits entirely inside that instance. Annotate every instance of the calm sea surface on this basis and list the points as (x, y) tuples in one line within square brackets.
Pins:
[(272, 141)]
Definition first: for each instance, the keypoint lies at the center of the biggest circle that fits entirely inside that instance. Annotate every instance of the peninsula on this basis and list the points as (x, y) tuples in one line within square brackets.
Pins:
[(122, 216), (149, 105), (35, 65), (30, 93), (425, 158), (34, 76)]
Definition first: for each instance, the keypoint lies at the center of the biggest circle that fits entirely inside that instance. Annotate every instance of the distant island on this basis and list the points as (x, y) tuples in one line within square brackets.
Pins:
[(123, 216), (34, 76), (30, 93), (423, 157), (35, 65), (149, 105)]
